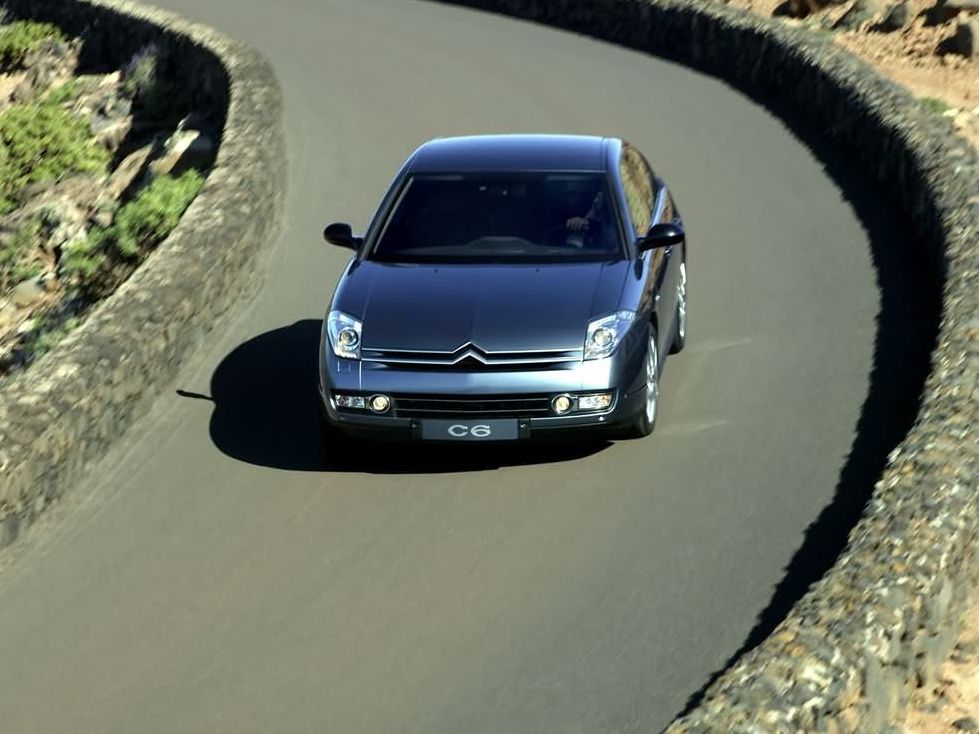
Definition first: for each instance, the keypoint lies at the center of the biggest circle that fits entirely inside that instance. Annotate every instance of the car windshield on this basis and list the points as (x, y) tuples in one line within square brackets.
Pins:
[(525, 217)]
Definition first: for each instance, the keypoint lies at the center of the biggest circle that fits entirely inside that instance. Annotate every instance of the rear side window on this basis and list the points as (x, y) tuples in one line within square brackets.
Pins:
[(637, 182)]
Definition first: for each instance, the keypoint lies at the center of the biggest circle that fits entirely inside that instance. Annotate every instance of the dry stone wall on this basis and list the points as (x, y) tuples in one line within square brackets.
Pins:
[(882, 620), (70, 406)]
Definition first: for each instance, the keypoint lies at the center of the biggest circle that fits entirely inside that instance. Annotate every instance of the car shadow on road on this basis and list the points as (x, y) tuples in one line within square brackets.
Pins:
[(909, 277), (266, 413)]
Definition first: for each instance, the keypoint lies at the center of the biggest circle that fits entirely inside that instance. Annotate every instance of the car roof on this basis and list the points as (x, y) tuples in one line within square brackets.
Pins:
[(508, 153)]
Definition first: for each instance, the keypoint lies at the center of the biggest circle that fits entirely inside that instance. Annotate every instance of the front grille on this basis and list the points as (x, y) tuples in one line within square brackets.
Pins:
[(470, 358), (460, 406)]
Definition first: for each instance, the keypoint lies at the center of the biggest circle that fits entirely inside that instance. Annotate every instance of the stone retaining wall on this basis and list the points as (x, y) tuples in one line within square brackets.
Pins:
[(70, 406), (886, 615)]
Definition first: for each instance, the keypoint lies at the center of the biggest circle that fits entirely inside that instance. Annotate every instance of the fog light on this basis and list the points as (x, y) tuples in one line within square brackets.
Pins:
[(350, 401), (380, 403), (595, 402), (562, 404)]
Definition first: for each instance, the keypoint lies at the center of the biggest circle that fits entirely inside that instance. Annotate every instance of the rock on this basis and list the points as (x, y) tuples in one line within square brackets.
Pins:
[(898, 17), (109, 114), (113, 79), (108, 132), (114, 106), (84, 190), (63, 224), (61, 212), (62, 221), (26, 293), (967, 38), (88, 83), (25, 91), (91, 103), (27, 327), (966, 723), (53, 60), (8, 317), (128, 171), (862, 11), (967, 647), (53, 52), (951, 8), (104, 214), (803, 8), (49, 281), (183, 150), (795, 8)]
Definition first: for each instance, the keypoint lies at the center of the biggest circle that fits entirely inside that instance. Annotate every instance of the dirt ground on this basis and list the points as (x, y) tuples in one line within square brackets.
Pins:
[(953, 706), (921, 57)]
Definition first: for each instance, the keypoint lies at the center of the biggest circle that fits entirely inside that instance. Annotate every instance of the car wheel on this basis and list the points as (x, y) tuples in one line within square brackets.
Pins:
[(645, 422), (680, 321)]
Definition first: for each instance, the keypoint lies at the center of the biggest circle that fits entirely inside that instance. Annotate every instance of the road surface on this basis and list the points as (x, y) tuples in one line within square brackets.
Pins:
[(221, 571)]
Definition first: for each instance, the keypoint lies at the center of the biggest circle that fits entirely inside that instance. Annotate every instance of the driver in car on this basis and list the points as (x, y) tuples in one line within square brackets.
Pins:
[(595, 225), (594, 216)]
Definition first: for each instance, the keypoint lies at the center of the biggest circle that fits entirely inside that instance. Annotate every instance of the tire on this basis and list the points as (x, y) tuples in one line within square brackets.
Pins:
[(680, 319), (645, 422)]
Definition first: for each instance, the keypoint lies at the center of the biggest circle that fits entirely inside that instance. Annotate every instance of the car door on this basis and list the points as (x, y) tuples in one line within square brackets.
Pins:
[(665, 211), (639, 187)]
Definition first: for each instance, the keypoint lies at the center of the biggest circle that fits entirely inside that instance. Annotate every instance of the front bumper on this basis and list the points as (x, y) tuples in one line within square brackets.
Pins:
[(622, 374), (624, 409)]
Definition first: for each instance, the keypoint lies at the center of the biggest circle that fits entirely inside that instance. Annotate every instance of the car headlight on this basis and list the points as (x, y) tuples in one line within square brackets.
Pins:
[(344, 334), (604, 334)]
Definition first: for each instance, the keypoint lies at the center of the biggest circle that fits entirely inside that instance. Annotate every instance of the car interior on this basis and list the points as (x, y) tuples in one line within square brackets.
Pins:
[(486, 212)]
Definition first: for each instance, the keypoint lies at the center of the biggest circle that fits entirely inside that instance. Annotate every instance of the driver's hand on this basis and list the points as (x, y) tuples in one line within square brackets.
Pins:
[(577, 224)]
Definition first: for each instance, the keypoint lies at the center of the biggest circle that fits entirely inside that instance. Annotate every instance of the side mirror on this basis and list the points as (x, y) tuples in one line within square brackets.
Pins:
[(665, 234), (341, 235)]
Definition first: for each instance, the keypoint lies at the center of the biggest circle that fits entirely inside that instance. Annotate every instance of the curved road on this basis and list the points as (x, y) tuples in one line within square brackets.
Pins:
[(220, 572)]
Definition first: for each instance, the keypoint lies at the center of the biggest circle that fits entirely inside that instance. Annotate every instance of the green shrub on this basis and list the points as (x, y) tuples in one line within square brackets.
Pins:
[(20, 38), (933, 104), (152, 215), (144, 84), (15, 262), (48, 332), (65, 93), (139, 225), (23, 271), (84, 259), (42, 142), (139, 76)]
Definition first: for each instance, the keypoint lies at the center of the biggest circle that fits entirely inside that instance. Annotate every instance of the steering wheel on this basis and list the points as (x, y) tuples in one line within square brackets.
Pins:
[(560, 236)]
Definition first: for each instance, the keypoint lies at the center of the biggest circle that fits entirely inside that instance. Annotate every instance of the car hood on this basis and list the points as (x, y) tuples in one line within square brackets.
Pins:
[(495, 307)]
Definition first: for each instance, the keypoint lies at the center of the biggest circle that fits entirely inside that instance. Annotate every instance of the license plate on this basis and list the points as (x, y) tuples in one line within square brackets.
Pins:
[(494, 429)]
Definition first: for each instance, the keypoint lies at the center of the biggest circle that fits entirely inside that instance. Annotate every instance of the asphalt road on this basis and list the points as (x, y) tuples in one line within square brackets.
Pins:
[(220, 571)]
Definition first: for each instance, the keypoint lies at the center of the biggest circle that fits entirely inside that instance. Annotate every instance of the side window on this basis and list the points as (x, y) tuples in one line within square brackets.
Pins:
[(637, 182), (668, 214), (669, 211)]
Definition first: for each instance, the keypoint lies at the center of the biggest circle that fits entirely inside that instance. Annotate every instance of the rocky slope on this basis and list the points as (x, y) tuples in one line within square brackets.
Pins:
[(95, 170), (929, 46)]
